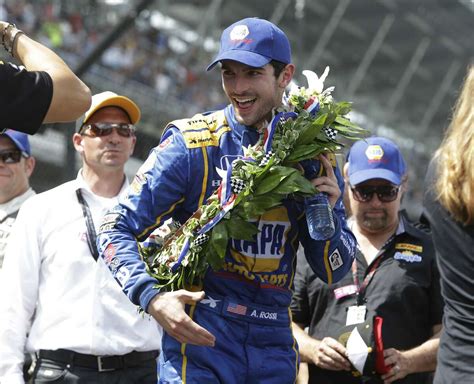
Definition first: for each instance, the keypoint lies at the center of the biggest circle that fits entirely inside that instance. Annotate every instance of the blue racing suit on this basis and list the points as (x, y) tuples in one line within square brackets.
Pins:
[(246, 304)]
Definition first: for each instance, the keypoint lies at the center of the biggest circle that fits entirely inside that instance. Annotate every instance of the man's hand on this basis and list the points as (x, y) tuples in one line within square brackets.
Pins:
[(332, 355), (400, 365), (168, 309), (328, 183)]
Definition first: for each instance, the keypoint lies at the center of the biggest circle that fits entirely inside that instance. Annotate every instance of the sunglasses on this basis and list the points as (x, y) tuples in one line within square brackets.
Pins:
[(105, 129), (385, 193), (12, 156)]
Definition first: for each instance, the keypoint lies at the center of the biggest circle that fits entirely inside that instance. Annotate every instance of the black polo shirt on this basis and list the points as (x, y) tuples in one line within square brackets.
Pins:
[(455, 254), (404, 291), (25, 98)]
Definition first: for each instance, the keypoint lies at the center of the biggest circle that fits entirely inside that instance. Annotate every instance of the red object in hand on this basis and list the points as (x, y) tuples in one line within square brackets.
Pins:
[(380, 366)]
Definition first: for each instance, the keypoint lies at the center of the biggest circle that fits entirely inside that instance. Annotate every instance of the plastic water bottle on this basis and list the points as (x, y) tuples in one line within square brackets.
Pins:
[(318, 210), (319, 217)]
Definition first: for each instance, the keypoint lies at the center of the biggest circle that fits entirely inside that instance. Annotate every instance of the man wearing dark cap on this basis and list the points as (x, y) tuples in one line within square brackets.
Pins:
[(16, 167), (390, 302), (83, 328), (236, 327)]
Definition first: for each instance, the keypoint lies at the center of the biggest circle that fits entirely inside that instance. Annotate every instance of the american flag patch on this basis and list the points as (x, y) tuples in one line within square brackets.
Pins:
[(237, 308)]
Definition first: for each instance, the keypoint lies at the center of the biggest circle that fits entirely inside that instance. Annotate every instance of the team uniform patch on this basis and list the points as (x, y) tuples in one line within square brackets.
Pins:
[(408, 247), (335, 260), (108, 222), (114, 263), (109, 253), (210, 301), (237, 309), (122, 275), (137, 184), (408, 257), (165, 143), (202, 130)]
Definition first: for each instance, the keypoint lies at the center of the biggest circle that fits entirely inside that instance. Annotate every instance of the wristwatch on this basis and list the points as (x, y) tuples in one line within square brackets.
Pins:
[(9, 35)]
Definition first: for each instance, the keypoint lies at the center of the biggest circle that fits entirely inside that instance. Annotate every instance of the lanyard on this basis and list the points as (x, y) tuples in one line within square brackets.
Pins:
[(91, 235), (362, 287)]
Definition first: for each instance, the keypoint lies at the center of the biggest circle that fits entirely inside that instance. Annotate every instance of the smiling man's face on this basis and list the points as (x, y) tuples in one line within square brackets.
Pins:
[(253, 92)]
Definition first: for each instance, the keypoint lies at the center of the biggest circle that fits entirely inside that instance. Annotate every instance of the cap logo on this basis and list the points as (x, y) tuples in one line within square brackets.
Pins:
[(239, 32), (374, 152)]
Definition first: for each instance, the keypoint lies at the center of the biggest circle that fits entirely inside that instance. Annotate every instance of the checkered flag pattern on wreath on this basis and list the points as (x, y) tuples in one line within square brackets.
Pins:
[(175, 224), (330, 133), (266, 159), (201, 239), (237, 185)]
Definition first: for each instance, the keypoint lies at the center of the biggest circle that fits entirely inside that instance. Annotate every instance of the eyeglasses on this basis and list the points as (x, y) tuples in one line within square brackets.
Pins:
[(105, 129), (385, 193), (12, 156)]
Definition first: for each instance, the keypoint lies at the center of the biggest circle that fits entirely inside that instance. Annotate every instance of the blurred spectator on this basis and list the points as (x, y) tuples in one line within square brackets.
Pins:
[(16, 167), (83, 328), (134, 56), (392, 297), (449, 208), (46, 91)]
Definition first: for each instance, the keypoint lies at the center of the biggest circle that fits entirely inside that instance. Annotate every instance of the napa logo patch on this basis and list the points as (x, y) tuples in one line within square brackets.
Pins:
[(264, 254), (374, 152), (239, 32)]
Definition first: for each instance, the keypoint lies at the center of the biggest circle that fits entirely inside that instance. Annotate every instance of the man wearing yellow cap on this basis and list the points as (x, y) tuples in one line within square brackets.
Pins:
[(83, 329)]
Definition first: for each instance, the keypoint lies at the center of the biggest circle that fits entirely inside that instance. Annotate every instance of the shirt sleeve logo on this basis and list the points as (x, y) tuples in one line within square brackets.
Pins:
[(335, 260)]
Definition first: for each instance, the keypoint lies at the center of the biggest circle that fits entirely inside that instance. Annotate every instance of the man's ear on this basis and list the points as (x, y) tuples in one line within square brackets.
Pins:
[(404, 185), (30, 165), (133, 145), (345, 172), (286, 75), (78, 140)]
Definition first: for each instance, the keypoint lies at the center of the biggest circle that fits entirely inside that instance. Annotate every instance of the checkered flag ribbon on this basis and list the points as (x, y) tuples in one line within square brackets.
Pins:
[(175, 225), (266, 159), (201, 240), (331, 133), (237, 185)]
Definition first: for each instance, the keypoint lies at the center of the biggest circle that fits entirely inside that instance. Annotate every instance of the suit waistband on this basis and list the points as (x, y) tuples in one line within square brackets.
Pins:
[(246, 311)]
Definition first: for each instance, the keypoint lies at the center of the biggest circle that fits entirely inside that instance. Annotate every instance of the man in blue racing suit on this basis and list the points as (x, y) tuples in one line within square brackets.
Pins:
[(236, 327)]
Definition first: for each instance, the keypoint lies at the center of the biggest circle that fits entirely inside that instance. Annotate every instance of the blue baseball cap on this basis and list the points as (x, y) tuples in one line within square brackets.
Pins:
[(254, 42), (375, 158), (20, 139)]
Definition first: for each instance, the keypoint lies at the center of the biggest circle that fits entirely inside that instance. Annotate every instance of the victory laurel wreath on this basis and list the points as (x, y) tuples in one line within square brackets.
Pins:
[(308, 124)]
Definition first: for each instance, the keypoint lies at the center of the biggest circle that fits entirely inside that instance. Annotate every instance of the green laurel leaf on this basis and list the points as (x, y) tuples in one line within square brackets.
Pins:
[(217, 245), (238, 228)]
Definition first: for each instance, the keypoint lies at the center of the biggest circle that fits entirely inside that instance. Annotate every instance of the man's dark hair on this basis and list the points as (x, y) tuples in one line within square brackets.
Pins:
[(278, 67)]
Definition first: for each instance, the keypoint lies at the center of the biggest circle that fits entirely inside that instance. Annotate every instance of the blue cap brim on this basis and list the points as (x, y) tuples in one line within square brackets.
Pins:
[(24, 148), (370, 174), (245, 57)]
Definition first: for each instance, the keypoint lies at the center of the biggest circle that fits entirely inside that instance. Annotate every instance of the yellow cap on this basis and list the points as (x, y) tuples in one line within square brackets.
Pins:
[(111, 99)]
